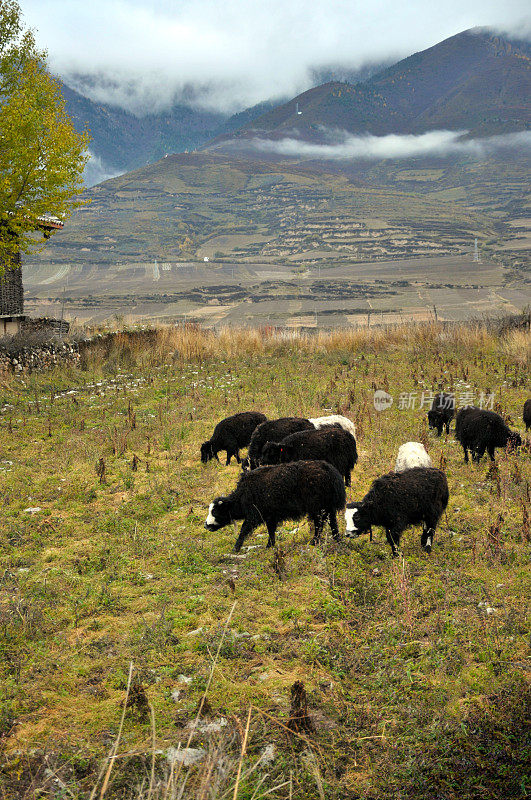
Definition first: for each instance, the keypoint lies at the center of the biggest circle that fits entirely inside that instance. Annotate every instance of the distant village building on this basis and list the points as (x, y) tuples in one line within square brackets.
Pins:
[(11, 289)]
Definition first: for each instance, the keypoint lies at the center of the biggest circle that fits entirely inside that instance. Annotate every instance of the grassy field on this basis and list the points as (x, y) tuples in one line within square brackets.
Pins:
[(128, 630)]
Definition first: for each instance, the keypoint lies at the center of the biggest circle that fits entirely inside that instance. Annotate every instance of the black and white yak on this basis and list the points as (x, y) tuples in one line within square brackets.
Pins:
[(278, 429), (400, 499), (331, 443), (270, 495), (412, 454), (274, 430), (478, 430), (231, 434), (334, 419)]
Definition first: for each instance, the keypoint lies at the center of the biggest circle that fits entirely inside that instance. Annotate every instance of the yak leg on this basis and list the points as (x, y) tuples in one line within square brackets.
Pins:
[(393, 538), (480, 452), (246, 529), (428, 534), (426, 540), (332, 516), (480, 448), (271, 530), (232, 450), (317, 520)]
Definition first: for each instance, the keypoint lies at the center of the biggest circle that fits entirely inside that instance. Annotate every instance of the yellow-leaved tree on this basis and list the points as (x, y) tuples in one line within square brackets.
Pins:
[(42, 157)]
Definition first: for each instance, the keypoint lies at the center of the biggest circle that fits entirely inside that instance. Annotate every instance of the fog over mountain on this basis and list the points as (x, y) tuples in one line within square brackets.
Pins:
[(145, 56), (439, 143)]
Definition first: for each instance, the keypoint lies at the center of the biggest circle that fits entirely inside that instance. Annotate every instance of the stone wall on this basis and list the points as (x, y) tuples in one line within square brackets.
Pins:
[(11, 290), (26, 359)]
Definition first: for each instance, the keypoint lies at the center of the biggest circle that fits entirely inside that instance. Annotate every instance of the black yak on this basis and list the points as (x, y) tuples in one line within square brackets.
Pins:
[(230, 434), (270, 495), (331, 443), (400, 499), (479, 430), (442, 412), (274, 430)]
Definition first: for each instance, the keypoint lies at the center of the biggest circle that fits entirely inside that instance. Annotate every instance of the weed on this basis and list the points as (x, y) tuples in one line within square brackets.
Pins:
[(396, 655)]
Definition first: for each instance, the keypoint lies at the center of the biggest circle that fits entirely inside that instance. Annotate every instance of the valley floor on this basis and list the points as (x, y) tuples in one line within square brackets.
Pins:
[(293, 294)]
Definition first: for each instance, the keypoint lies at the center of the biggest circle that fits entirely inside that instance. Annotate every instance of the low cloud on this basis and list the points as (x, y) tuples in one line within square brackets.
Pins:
[(227, 56), (97, 172), (393, 146)]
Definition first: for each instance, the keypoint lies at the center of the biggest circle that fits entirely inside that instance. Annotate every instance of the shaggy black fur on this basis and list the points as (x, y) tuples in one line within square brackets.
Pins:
[(274, 431), (527, 414), (400, 499), (442, 412), (273, 494), (230, 434), (331, 443), (479, 430)]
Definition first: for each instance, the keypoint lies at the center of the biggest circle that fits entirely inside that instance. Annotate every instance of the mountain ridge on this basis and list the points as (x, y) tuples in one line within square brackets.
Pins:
[(251, 206), (123, 140), (474, 80)]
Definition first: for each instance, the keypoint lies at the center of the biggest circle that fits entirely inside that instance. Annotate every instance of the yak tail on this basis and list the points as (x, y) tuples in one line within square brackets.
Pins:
[(339, 494)]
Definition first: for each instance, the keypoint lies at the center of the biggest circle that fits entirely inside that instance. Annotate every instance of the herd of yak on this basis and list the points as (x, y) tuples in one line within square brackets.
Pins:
[(299, 467)]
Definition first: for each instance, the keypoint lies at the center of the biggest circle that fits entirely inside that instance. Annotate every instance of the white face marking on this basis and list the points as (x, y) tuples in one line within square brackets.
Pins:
[(210, 520), (349, 519), (428, 541)]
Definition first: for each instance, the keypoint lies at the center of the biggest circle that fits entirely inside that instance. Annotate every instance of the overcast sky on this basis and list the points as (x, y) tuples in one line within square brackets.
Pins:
[(235, 53)]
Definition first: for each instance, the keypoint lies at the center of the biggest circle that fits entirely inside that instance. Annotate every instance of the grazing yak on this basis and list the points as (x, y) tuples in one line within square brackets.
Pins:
[(332, 444), (334, 419), (527, 414), (412, 454), (270, 495), (442, 412), (274, 430), (231, 434), (400, 499), (478, 430)]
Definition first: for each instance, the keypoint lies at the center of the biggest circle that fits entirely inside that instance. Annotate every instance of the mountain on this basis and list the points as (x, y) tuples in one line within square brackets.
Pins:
[(122, 141), (474, 81), (191, 205), (245, 207)]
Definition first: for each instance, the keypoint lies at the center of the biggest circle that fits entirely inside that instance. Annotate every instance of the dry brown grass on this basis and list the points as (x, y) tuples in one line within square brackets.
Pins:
[(516, 345), (190, 342)]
